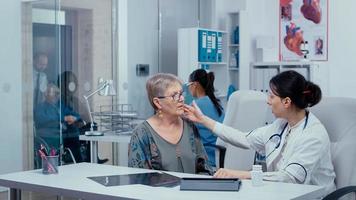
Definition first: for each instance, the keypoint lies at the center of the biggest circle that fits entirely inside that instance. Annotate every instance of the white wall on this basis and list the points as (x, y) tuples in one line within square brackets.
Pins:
[(142, 48), (336, 76), (342, 49), (10, 87)]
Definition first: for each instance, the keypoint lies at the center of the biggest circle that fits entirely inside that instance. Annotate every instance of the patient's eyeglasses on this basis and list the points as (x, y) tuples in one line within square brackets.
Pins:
[(176, 96), (189, 83)]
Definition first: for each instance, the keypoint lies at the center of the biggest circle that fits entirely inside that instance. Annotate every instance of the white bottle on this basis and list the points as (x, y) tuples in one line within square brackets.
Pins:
[(257, 175)]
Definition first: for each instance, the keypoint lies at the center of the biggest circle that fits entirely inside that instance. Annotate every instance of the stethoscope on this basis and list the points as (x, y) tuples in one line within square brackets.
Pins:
[(277, 138)]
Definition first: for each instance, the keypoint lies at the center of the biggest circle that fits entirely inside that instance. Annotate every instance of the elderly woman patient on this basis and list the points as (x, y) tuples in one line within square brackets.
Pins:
[(165, 141)]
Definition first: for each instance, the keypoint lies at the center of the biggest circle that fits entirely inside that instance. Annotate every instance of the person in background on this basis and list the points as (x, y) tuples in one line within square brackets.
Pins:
[(68, 82), (40, 81), (296, 144), (201, 86), (52, 116), (166, 141)]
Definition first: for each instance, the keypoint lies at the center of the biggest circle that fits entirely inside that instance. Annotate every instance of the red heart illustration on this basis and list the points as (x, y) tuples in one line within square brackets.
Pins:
[(311, 10), (284, 2), (294, 39)]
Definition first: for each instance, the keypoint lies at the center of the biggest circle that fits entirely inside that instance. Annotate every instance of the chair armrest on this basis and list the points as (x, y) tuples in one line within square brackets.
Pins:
[(222, 152), (340, 192)]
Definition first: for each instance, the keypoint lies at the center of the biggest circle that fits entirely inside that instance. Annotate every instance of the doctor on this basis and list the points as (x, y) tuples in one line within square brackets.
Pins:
[(296, 144)]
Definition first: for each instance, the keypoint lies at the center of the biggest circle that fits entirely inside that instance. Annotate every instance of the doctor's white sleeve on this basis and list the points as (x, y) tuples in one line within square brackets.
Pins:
[(231, 135), (279, 176), (247, 140)]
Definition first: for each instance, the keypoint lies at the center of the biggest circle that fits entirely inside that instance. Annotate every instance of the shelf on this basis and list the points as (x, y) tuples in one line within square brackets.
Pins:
[(234, 45), (262, 72), (282, 63), (234, 68), (213, 63)]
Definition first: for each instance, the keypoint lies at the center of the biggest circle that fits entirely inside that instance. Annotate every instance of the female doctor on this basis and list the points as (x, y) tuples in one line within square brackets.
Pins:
[(296, 144)]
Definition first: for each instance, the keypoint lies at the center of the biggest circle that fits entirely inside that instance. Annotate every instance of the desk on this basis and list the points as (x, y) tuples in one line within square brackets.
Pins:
[(107, 137), (72, 181)]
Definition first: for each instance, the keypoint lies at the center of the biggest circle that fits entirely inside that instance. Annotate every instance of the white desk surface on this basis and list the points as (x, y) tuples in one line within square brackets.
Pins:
[(72, 181), (108, 137)]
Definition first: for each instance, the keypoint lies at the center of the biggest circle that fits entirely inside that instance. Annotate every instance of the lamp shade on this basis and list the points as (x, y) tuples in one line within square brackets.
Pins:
[(109, 89)]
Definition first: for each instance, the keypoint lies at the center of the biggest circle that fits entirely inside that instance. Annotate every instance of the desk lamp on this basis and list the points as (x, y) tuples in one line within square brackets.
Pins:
[(108, 90)]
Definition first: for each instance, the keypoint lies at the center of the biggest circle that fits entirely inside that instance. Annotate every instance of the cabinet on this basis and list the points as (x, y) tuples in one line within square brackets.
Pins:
[(233, 50), (262, 72), (228, 68), (207, 49)]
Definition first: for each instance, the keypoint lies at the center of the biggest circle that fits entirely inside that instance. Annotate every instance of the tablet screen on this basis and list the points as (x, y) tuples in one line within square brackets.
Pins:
[(152, 179)]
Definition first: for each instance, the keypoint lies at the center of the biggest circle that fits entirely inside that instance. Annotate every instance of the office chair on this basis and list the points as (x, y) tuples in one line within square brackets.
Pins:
[(246, 110), (339, 118)]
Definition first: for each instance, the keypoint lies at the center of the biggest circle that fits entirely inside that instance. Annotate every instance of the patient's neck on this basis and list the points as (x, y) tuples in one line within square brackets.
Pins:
[(167, 120)]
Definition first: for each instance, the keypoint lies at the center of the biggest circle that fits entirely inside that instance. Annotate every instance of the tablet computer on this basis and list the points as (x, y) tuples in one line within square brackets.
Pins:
[(210, 184), (154, 179)]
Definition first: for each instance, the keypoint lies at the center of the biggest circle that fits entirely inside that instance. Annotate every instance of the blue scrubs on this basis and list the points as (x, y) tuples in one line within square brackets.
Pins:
[(207, 137)]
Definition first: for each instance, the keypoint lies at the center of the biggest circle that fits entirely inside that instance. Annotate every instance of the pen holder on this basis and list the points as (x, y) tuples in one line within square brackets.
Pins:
[(50, 164)]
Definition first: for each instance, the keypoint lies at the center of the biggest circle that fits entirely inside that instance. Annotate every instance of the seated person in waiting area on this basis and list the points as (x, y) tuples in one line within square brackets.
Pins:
[(165, 141), (50, 114)]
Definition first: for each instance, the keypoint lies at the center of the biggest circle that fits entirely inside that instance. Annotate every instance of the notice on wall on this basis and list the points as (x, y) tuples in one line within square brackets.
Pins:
[(303, 30)]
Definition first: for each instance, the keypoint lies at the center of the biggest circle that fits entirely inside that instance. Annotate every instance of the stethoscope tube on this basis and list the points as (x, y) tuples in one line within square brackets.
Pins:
[(280, 135), (300, 165)]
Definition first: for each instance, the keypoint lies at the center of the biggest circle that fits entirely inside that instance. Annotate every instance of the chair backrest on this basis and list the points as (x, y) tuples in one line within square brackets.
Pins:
[(338, 115), (246, 110)]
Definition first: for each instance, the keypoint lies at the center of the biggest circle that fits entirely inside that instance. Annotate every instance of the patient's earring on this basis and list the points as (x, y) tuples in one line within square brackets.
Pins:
[(159, 113)]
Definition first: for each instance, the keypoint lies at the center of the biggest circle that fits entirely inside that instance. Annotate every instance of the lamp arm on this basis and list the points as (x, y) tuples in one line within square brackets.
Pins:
[(91, 117), (96, 91), (86, 97)]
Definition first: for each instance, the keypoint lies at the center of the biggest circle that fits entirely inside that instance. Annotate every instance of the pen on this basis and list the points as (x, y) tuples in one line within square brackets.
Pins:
[(53, 152), (50, 167), (44, 150)]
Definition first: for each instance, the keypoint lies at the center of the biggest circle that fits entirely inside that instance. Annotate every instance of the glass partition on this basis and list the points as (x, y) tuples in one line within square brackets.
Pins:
[(67, 50), (151, 44)]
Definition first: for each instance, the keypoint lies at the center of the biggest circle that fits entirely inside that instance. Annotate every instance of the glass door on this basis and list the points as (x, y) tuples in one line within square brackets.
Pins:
[(68, 48)]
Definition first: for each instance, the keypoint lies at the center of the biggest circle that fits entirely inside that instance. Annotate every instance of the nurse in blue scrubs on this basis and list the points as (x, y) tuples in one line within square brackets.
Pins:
[(201, 86)]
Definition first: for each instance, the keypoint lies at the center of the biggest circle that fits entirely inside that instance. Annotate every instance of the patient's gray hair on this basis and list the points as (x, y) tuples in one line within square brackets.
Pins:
[(158, 84)]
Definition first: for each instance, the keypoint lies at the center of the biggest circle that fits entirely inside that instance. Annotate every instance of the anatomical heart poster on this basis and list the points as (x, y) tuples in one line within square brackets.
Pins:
[(303, 30)]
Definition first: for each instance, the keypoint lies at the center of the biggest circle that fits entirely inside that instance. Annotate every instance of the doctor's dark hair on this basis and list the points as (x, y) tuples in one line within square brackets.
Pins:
[(291, 84), (206, 80)]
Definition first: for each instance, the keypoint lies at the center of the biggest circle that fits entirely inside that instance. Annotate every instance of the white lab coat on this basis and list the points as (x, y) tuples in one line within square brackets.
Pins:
[(309, 147)]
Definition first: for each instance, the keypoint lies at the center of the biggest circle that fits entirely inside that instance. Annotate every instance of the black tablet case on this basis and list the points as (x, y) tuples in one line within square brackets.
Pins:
[(210, 184)]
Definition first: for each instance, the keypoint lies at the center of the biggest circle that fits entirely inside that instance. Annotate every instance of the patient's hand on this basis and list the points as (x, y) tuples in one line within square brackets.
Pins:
[(229, 173), (70, 119)]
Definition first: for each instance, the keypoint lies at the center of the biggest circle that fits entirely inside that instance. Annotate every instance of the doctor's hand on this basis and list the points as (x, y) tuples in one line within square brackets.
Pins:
[(229, 173), (193, 113)]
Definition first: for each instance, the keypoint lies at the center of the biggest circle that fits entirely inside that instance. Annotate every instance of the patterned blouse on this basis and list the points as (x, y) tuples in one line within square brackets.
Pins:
[(145, 153)]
